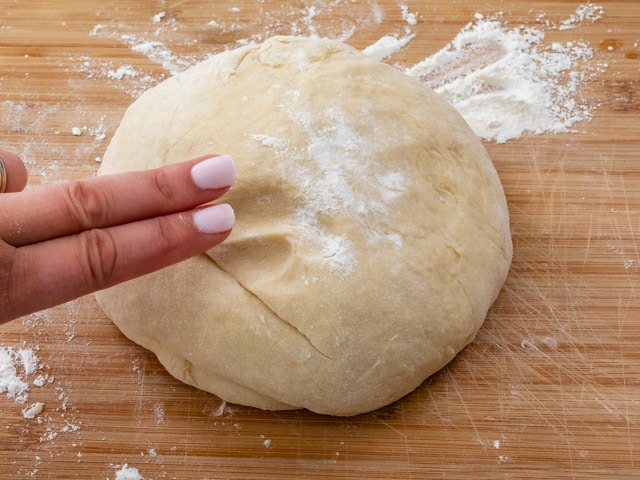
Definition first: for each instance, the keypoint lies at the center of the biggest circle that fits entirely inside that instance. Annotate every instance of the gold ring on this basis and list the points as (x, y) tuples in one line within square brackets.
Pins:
[(3, 177)]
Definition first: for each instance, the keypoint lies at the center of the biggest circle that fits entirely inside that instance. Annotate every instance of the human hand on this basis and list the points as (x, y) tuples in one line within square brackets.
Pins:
[(59, 242)]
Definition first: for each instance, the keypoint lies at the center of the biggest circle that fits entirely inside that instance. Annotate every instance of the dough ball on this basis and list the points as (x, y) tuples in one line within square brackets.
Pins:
[(372, 231)]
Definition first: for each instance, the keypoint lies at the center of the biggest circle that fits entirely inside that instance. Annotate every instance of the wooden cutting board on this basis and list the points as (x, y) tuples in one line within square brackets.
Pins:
[(550, 387)]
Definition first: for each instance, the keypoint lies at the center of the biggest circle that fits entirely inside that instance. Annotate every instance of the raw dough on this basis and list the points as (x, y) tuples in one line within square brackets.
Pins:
[(372, 230)]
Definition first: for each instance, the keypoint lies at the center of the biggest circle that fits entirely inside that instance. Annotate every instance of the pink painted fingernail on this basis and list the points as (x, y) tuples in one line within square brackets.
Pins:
[(214, 172), (215, 219)]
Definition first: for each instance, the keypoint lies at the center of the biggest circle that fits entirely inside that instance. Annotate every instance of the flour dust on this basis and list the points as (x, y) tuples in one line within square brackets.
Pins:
[(504, 80)]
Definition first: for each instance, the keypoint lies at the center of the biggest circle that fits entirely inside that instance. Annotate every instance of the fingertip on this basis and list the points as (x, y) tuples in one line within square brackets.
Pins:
[(214, 173), (214, 219)]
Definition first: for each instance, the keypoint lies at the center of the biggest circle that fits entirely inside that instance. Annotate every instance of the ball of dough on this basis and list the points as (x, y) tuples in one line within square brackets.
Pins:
[(372, 231)]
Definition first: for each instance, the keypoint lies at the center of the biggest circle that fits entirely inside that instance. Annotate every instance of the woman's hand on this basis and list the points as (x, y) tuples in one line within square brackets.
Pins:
[(62, 241)]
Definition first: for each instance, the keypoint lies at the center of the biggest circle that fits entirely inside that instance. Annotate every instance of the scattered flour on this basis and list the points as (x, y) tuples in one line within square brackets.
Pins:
[(95, 30), (124, 77), (505, 82), (123, 71), (586, 13), (307, 17), (33, 411), (265, 441), (157, 52), (15, 115), (21, 368), (128, 473), (41, 380), (158, 410), (15, 366), (386, 46), (389, 45), (98, 132), (407, 16), (157, 18)]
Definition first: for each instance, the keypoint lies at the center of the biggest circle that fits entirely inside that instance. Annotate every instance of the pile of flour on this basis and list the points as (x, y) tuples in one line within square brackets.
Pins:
[(505, 81), (16, 365)]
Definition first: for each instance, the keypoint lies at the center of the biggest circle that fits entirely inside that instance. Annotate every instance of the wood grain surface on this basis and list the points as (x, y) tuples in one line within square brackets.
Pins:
[(551, 386)]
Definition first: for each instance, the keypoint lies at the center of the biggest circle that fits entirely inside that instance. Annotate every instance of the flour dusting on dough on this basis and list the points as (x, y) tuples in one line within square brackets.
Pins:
[(327, 174)]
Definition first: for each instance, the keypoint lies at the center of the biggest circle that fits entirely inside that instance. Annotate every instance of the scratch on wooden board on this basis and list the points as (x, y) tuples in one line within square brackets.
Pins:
[(587, 248), (565, 423), (187, 432), (589, 386), (388, 425), (555, 349), (435, 410), (139, 368), (616, 245), (627, 416), (628, 262), (456, 389), (301, 438), (615, 411), (406, 446), (628, 423), (590, 391)]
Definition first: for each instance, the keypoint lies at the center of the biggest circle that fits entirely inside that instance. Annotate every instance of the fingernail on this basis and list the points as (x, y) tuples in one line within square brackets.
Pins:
[(214, 172), (215, 219)]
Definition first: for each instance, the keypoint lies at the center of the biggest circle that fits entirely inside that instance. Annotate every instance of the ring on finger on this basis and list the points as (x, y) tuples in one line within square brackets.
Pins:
[(3, 177)]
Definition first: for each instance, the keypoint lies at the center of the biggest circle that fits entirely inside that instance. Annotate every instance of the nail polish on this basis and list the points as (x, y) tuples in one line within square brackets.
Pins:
[(214, 219), (214, 172)]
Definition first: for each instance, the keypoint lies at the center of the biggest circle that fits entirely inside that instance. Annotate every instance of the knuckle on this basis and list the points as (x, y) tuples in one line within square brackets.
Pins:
[(168, 237), (99, 256), (10, 281), (86, 204), (164, 185)]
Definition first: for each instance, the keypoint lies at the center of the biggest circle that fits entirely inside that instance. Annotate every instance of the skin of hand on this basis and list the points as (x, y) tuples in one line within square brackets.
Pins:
[(61, 241)]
